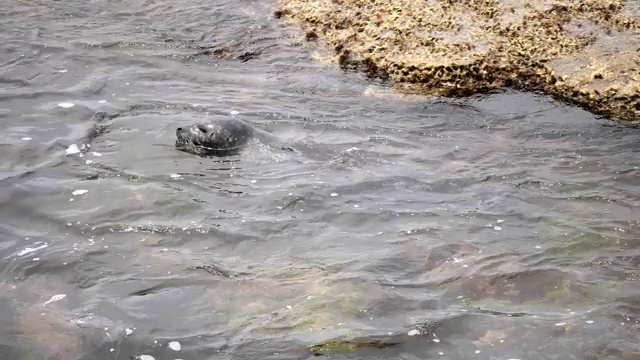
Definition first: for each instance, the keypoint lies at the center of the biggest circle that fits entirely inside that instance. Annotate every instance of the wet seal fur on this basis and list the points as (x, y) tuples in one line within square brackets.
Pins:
[(219, 137)]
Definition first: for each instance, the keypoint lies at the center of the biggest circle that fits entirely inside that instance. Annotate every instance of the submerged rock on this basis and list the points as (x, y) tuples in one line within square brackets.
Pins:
[(526, 287), (345, 345)]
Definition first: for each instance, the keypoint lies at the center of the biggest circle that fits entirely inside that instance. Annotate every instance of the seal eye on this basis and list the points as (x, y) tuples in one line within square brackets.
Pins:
[(203, 128)]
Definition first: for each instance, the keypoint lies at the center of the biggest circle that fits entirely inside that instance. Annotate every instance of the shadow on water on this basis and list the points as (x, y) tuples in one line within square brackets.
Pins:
[(493, 227)]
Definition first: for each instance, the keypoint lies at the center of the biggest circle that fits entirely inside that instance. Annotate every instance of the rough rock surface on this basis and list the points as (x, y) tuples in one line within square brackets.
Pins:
[(584, 52)]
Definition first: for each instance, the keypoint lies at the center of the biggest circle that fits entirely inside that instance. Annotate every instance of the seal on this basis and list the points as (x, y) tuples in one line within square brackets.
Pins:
[(219, 137)]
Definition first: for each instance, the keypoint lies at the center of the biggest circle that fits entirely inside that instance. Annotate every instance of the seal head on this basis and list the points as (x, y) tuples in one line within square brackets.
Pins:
[(222, 137)]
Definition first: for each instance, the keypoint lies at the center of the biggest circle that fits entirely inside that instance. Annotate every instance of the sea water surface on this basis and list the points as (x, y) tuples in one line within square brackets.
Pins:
[(502, 226)]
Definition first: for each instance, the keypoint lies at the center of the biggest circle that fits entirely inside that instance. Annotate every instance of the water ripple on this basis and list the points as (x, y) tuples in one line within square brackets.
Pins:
[(496, 226)]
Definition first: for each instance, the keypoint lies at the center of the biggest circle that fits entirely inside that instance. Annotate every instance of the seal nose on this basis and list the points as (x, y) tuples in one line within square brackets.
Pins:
[(179, 129)]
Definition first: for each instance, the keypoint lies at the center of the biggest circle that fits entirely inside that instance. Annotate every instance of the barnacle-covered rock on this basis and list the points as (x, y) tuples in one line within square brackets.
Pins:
[(585, 52)]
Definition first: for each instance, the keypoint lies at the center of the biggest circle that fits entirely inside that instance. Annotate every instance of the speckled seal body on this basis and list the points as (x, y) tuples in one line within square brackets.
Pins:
[(219, 137)]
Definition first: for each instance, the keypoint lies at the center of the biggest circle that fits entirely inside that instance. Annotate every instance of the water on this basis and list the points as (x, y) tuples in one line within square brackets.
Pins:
[(496, 227)]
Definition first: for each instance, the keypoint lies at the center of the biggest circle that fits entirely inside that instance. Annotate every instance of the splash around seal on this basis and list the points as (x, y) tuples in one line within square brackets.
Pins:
[(220, 137)]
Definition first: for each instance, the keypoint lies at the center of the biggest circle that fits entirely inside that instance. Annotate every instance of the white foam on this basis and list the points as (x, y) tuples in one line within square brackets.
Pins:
[(146, 357), (175, 346), (55, 298), (27, 138), (79, 192), (26, 251), (72, 149), (66, 105)]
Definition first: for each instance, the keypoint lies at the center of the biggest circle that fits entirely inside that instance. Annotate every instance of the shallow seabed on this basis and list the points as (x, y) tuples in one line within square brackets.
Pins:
[(401, 227)]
